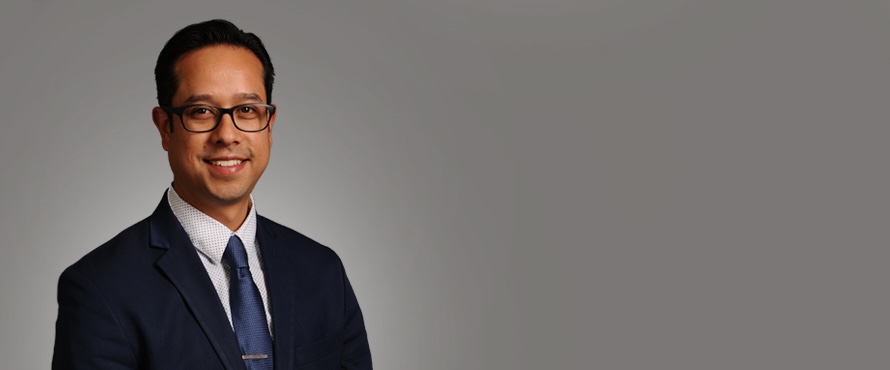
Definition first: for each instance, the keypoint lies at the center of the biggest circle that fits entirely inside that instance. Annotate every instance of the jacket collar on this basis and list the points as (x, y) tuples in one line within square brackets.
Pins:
[(182, 266)]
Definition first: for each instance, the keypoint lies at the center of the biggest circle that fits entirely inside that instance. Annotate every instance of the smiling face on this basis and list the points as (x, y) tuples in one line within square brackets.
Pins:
[(216, 171)]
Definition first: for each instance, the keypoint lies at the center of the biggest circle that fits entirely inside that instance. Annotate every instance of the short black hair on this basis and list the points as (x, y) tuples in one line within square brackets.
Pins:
[(199, 35)]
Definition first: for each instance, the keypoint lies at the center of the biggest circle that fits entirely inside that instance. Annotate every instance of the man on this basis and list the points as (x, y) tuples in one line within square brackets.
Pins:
[(205, 282)]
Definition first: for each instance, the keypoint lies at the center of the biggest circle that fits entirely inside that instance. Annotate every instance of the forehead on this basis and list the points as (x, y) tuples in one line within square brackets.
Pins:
[(218, 71)]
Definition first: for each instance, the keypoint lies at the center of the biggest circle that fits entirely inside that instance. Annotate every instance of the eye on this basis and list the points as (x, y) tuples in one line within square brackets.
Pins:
[(199, 112), (248, 111)]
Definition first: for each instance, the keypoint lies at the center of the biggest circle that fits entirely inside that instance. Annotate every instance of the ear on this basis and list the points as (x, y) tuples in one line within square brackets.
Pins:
[(162, 122)]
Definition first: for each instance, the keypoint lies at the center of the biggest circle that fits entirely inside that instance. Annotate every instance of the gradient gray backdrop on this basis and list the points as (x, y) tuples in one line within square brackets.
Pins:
[(563, 184)]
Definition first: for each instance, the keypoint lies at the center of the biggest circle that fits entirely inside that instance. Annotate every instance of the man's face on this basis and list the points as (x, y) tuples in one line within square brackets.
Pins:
[(212, 170)]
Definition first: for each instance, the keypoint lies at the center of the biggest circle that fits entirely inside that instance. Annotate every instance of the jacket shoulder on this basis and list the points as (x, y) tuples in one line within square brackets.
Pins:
[(295, 241), (117, 254)]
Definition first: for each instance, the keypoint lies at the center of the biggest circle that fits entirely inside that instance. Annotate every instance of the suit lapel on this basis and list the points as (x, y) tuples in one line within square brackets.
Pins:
[(183, 267), (284, 283)]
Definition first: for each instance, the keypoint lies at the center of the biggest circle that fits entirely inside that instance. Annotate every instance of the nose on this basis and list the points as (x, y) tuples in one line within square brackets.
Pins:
[(226, 133)]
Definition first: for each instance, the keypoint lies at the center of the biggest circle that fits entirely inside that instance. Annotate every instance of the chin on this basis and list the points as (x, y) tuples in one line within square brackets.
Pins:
[(230, 196)]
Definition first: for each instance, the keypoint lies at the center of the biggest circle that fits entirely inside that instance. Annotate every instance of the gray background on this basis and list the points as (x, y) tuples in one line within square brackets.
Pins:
[(663, 184)]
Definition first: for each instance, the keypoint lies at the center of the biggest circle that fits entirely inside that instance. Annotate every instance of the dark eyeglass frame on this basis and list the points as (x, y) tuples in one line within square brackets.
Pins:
[(222, 111)]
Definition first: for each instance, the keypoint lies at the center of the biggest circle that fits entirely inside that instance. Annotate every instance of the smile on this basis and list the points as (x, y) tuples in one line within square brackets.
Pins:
[(226, 163)]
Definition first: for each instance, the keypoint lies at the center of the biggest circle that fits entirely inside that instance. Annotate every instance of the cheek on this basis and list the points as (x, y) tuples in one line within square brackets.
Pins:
[(183, 153), (266, 151), (261, 146)]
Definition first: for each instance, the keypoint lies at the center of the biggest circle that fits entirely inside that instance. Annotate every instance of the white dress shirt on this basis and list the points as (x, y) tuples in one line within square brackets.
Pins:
[(210, 238)]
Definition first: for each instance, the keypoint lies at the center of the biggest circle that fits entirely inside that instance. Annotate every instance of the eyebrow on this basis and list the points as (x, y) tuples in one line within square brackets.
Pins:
[(207, 97)]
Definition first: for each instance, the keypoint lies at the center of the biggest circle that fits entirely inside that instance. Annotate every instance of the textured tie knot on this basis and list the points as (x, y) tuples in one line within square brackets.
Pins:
[(236, 256)]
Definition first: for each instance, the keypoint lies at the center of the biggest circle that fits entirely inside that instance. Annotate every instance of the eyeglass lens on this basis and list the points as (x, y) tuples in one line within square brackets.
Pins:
[(247, 117)]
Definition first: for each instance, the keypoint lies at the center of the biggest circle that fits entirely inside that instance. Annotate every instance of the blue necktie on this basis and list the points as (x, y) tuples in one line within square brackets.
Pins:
[(248, 314)]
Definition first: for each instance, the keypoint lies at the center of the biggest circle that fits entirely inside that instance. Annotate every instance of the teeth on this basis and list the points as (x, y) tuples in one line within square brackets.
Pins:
[(229, 163)]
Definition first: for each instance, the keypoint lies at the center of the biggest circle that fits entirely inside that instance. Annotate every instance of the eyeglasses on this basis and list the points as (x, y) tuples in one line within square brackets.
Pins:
[(205, 117)]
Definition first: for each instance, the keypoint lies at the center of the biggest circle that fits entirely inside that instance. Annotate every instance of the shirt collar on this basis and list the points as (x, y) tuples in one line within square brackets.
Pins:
[(209, 236)]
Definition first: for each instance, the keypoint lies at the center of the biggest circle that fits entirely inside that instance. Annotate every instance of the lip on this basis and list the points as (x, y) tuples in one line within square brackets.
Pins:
[(225, 158), (225, 170)]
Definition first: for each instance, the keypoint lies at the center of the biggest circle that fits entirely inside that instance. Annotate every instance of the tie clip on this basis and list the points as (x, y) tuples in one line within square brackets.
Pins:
[(254, 357)]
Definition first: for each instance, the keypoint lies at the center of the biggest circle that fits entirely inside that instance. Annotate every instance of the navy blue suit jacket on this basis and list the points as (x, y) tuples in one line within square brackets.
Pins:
[(143, 300)]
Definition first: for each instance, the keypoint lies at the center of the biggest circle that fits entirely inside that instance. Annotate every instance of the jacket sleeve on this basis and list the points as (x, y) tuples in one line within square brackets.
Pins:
[(356, 351), (88, 335)]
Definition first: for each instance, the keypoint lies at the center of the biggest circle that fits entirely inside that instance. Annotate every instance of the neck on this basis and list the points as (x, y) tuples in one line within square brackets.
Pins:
[(230, 214)]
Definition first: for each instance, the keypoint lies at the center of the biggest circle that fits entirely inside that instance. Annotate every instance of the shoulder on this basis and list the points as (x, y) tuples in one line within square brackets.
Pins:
[(117, 256), (294, 242)]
